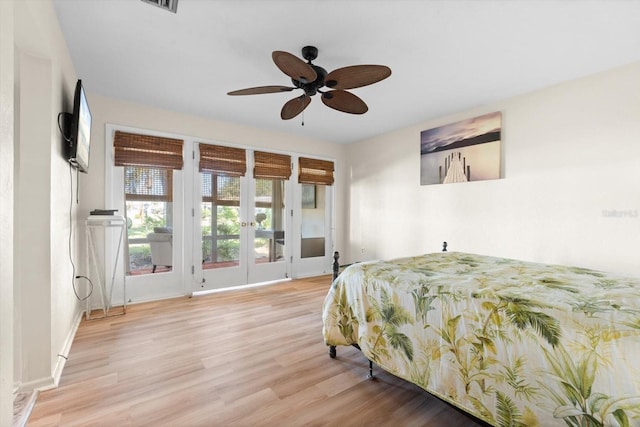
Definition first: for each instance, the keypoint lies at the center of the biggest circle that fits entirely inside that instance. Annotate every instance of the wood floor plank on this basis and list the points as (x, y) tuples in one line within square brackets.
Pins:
[(249, 357)]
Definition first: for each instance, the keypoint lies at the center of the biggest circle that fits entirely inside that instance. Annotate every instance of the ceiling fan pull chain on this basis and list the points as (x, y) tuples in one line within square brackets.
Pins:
[(302, 119)]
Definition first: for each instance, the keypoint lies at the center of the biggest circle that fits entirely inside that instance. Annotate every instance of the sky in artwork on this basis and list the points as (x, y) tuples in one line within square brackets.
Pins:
[(444, 135)]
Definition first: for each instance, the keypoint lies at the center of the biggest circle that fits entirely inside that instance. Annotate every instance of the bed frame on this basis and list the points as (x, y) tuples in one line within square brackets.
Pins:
[(575, 332), (336, 273)]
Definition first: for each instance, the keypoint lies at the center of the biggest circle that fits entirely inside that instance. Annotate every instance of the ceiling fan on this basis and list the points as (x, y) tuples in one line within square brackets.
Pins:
[(311, 78)]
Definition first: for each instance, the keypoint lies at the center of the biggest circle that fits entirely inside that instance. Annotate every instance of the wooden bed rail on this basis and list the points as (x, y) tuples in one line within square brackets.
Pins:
[(336, 264)]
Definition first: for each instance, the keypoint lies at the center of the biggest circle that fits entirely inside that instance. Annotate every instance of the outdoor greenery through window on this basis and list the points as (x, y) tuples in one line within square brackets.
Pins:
[(220, 210), (221, 169), (269, 220), (148, 194)]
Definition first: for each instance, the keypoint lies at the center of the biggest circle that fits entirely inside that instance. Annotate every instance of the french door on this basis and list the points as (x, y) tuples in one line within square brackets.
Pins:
[(242, 230), (229, 217), (145, 179)]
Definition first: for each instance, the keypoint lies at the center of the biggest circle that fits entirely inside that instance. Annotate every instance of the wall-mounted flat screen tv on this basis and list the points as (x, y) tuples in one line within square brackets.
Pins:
[(79, 137)]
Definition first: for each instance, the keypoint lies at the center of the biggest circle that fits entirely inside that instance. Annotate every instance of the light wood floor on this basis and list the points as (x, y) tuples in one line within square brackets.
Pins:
[(252, 357)]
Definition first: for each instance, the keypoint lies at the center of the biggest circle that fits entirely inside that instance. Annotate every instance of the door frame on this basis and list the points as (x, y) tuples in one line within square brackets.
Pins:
[(309, 267), (147, 287), (248, 271)]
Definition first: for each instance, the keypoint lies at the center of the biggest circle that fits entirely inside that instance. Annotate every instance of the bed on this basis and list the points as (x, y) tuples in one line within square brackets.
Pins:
[(510, 342)]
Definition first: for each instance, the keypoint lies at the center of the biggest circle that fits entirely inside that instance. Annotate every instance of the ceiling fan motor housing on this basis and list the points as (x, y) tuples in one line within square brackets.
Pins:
[(311, 88)]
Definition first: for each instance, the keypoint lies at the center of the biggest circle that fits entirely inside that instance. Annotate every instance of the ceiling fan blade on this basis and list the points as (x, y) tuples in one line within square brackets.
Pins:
[(294, 107), (344, 101), (294, 67), (261, 89), (356, 76)]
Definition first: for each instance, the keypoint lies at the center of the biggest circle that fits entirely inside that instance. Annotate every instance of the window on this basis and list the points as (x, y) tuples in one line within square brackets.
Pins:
[(148, 163), (220, 211), (270, 172), (314, 175), (221, 168)]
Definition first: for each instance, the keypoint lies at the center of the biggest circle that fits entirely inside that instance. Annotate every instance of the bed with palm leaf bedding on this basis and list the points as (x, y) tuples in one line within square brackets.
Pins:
[(511, 342)]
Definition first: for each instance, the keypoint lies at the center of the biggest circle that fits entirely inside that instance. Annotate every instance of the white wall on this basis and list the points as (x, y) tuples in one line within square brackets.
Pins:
[(570, 193), (6, 213), (32, 222), (47, 310)]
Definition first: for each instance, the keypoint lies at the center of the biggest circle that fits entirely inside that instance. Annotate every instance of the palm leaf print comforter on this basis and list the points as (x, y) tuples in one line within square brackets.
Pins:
[(513, 343)]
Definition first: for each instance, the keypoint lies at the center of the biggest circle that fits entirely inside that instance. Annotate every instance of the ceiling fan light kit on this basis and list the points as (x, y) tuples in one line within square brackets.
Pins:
[(312, 78)]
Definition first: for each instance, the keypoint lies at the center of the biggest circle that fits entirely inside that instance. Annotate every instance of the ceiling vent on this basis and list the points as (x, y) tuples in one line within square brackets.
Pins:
[(170, 5)]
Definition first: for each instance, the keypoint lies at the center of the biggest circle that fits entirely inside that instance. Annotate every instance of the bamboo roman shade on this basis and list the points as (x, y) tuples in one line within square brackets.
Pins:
[(221, 160), (132, 149), (271, 165), (314, 171)]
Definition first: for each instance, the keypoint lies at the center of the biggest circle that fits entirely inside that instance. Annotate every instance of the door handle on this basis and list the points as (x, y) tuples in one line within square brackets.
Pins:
[(252, 223), (244, 224)]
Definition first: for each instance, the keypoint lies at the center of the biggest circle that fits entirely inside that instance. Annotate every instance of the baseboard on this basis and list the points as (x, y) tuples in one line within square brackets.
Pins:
[(63, 355), (239, 287), (41, 384), (23, 404), (314, 274)]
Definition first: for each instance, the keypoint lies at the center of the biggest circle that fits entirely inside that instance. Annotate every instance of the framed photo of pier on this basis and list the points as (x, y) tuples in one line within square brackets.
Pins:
[(468, 150)]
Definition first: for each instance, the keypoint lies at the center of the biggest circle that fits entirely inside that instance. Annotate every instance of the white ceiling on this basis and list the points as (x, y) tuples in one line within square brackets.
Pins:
[(446, 56)]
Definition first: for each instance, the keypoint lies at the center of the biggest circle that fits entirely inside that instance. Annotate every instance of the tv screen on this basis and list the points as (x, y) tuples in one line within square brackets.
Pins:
[(79, 143)]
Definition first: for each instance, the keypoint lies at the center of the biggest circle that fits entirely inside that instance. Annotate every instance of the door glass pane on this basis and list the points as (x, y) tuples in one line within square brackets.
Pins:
[(269, 220), (220, 221), (313, 221), (149, 210)]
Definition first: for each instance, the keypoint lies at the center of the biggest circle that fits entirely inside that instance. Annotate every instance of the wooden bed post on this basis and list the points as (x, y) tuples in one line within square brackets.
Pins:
[(336, 272)]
